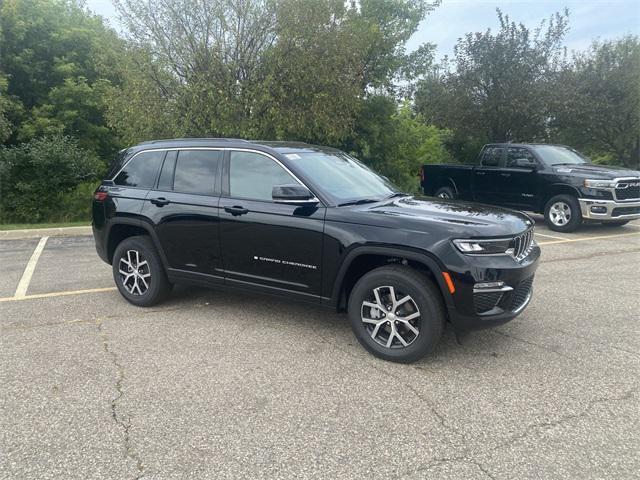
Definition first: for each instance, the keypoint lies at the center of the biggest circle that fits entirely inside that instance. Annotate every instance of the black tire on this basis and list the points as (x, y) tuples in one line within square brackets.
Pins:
[(446, 193), (426, 299), (157, 285), (572, 215), (616, 224)]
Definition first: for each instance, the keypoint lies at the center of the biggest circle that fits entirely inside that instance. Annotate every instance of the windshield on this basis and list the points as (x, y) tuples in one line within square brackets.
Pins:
[(555, 155), (342, 177)]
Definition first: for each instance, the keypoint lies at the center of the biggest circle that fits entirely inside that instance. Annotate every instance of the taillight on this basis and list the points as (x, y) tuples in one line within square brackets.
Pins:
[(100, 196), (422, 173)]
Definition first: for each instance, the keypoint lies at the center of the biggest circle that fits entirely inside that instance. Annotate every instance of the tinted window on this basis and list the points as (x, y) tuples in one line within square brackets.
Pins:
[(253, 176), (141, 170), (492, 156), (196, 171), (166, 174), (516, 153)]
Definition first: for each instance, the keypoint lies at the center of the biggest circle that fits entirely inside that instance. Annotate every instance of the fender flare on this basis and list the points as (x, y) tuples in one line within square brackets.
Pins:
[(548, 192), (145, 225), (426, 258)]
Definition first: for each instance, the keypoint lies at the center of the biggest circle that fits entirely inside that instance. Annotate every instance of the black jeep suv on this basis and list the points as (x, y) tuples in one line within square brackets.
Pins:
[(311, 223)]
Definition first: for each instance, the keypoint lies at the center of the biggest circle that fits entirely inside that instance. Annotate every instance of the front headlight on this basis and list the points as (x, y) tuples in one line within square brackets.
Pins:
[(486, 247), (599, 183)]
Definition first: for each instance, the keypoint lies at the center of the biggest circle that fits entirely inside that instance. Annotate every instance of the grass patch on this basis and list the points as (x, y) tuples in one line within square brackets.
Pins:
[(24, 226)]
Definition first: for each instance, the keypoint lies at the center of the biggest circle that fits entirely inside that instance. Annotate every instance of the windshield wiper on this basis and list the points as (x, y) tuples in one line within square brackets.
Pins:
[(397, 194), (361, 201), (567, 163)]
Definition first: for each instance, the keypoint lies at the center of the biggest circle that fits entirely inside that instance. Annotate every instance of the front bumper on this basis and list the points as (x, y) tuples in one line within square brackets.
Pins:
[(473, 308), (609, 210)]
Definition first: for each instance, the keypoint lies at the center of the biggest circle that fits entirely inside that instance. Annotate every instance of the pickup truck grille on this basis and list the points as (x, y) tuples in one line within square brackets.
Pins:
[(628, 189), (522, 245)]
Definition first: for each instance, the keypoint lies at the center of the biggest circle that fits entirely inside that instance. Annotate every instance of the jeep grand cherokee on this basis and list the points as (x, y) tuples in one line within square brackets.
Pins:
[(313, 224)]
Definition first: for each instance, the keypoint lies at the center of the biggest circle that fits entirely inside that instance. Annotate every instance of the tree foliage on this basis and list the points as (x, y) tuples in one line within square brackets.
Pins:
[(495, 88), (35, 177), (597, 102)]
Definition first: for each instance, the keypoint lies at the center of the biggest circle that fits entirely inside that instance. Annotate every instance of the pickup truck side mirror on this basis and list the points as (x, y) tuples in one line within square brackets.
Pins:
[(525, 163), (294, 194)]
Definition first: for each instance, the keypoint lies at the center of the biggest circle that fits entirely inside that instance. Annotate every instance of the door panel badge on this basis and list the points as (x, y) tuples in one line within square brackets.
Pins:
[(284, 262)]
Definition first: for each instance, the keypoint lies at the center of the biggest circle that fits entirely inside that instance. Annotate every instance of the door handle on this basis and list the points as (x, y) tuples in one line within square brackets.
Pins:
[(505, 174), (480, 173), (160, 202), (236, 210)]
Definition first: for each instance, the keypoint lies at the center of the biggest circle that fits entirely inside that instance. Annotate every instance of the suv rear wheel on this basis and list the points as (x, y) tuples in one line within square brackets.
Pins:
[(396, 313), (138, 272), (562, 213)]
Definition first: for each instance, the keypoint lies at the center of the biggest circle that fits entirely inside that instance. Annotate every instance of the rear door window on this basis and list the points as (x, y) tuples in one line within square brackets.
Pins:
[(196, 171), (492, 156), (517, 153), (141, 170)]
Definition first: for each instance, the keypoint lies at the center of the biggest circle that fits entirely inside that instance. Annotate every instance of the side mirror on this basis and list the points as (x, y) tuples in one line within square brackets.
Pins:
[(293, 194), (525, 163)]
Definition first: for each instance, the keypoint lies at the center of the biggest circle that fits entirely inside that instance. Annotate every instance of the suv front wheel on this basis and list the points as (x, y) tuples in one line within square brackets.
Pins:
[(138, 272), (396, 313)]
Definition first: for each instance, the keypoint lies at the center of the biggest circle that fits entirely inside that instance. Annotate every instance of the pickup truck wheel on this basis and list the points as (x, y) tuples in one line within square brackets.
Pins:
[(138, 272), (446, 193), (396, 313), (562, 213)]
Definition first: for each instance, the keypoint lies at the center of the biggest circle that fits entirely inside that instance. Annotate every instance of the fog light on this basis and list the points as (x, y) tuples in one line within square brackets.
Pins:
[(598, 209), (480, 286)]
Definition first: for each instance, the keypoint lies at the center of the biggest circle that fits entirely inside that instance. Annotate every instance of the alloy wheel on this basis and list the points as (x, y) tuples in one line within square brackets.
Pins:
[(135, 273), (391, 318), (560, 214)]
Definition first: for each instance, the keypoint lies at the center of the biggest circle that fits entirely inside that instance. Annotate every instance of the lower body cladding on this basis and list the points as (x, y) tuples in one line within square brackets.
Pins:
[(609, 210), (491, 291)]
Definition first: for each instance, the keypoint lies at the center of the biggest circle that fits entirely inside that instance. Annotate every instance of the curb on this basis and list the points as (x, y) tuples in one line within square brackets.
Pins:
[(45, 232)]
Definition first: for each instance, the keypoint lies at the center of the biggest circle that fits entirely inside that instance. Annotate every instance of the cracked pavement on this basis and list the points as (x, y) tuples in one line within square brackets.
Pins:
[(224, 385)]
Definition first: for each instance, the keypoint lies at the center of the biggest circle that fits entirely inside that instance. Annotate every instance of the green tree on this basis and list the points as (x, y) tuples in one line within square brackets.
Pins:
[(36, 176), (497, 88), (597, 105), (57, 58), (279, 69)]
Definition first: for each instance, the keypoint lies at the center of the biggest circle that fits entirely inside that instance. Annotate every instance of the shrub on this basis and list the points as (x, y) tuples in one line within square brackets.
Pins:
[(45, 180)]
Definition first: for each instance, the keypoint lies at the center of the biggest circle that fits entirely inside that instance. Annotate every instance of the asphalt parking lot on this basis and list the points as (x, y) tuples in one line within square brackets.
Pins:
[(221, 385)]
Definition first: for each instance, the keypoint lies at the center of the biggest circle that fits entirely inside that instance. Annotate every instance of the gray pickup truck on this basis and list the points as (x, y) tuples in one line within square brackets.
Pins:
[(554, 180)]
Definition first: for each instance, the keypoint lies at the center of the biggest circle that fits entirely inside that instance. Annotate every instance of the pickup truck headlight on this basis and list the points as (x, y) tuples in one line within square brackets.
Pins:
[(599, 183), (486, 247)]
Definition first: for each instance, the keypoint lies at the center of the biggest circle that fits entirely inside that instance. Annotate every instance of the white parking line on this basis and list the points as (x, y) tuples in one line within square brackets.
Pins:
[(586, 239), (23, 286), (58, 294), (550, 236)]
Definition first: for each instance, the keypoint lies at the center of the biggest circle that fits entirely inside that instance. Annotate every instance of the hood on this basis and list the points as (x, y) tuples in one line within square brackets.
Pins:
[(604, 172), (462, 219)]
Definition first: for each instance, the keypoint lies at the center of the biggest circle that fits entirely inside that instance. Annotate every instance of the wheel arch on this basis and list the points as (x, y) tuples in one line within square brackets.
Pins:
[(557, 189), (123, 228), (364, 259)]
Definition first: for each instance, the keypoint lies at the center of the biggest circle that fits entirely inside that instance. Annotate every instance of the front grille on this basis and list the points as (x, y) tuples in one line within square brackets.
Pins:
[(485, 302), (628, 190), (522, 245), (520, 294), (618, 211)]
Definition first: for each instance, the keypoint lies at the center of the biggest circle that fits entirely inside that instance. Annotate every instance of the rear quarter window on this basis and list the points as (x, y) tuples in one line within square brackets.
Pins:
[(141, 170)]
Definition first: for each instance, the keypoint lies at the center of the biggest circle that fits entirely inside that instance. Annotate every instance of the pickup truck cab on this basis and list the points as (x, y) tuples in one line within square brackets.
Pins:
[(313, 224), (554, 180)]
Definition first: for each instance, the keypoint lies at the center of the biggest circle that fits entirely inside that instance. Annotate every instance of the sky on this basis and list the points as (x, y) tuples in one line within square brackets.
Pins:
[(589, 19)]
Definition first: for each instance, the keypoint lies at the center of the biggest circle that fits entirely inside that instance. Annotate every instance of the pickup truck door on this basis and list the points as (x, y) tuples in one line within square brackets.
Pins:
[(518, 179), (486, 181)]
